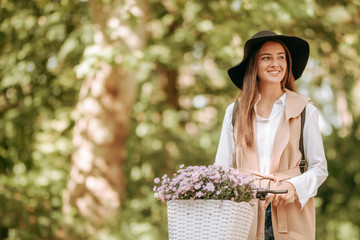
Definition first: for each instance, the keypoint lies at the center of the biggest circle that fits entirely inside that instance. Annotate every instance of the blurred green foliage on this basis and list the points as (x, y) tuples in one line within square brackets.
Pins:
[(177, 122), (40, 43)]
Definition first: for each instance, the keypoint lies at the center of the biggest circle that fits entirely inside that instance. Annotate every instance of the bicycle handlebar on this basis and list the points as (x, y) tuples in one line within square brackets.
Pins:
[(262, 193)]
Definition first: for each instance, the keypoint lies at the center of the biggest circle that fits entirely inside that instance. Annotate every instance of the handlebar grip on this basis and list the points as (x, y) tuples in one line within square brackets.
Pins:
[(261, 193), (267, 191)]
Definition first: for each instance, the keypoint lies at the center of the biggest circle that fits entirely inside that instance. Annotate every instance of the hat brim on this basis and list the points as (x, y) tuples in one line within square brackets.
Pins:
[(298, 48)]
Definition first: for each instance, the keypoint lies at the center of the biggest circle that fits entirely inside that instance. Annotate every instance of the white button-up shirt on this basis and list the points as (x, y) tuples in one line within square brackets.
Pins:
[(306, 184), (265, 133)]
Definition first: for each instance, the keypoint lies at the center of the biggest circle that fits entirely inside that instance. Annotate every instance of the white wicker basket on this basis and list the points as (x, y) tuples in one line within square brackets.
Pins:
[(209, 219)]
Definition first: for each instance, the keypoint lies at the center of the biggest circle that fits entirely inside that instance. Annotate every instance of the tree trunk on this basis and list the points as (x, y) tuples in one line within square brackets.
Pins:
[(97, 181)]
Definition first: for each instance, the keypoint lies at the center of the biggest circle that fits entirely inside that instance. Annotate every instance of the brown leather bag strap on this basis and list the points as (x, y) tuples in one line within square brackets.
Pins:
[(303, 163)]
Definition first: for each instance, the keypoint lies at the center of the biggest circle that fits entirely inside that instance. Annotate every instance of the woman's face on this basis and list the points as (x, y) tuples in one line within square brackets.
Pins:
[(272, 63)]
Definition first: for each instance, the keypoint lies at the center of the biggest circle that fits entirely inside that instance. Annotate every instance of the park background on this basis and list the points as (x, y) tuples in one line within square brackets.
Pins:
[(99, 97)]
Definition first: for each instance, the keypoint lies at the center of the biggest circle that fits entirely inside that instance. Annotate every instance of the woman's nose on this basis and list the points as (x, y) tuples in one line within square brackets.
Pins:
[(274, 62)]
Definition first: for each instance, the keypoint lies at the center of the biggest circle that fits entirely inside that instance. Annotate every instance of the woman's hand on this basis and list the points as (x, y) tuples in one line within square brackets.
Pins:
[(281, 199)]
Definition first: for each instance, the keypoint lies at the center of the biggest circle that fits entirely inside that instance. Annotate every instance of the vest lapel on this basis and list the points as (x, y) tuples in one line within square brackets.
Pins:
[(280, 141), (295, 103)]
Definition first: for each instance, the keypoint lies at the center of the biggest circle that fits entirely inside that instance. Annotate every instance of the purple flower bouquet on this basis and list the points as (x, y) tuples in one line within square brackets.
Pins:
[(207, 202), (205, 182)]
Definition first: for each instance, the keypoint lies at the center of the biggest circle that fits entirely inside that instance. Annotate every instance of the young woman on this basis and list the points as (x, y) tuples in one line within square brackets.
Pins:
[(260, 135)]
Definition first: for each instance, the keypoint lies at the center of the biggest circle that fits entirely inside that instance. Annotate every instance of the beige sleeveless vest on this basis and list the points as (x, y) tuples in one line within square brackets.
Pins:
[(289, 222)]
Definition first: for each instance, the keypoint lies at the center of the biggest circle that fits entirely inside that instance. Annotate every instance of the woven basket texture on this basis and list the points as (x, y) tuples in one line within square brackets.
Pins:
[(209, 219)]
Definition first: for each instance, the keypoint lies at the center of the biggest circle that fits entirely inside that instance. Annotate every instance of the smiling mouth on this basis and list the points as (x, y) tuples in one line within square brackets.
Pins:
[(273, 72)]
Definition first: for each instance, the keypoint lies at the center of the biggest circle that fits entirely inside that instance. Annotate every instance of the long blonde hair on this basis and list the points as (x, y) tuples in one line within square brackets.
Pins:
[(245, 113)]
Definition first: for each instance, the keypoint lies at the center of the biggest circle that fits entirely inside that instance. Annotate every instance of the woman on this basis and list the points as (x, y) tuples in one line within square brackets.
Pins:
[(260, 135)]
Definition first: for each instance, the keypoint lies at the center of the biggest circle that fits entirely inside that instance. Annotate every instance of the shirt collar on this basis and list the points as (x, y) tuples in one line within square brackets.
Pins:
[(281, 100)]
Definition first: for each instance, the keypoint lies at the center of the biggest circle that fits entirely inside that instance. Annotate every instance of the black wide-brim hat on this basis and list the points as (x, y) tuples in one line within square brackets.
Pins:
[(299, 51)]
